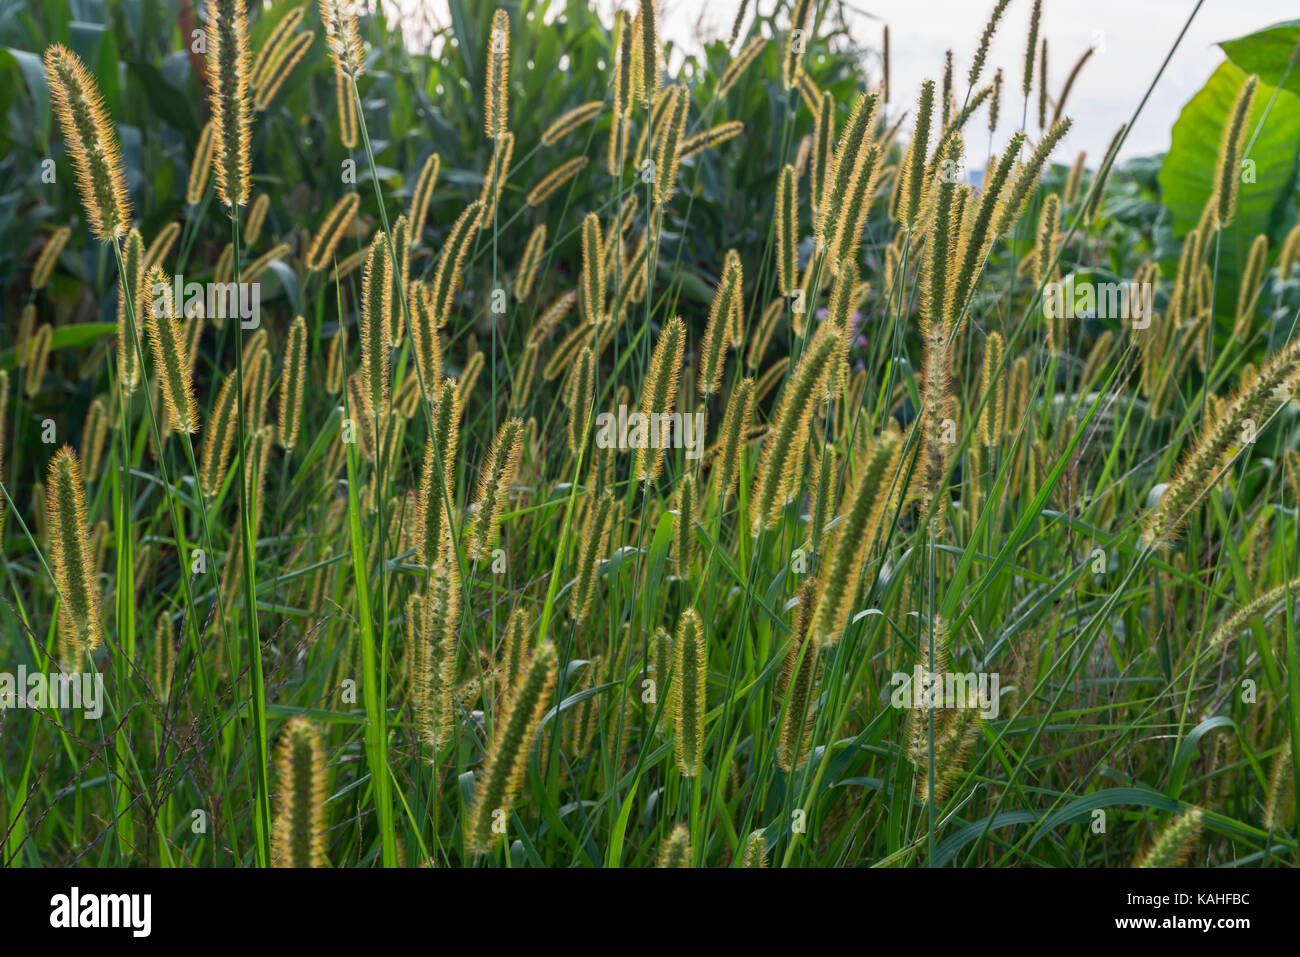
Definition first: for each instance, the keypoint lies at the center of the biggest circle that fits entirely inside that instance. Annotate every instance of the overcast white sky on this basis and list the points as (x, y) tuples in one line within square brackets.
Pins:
[(1132, 37)]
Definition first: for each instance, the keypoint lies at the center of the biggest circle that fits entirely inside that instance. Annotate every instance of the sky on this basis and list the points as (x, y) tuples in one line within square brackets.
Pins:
[(1131, 37)]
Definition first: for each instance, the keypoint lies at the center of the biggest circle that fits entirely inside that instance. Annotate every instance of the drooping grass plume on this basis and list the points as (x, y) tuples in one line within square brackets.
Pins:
[(496, 93), (787, 233), (671, 139), (293, 384), (50, 253), (1227, 171), (780, 468), (451, 261), (171, 358), (80, 629), (658, 397), (300, 827), (676, 849), (1222, 440), (1262, 606), (1279, 805), (342, 37), (593, 546), (495, 479), (690, 675), (740, 63), (200, 167), (503, 772), (227, 63), (336, 222), (1175, 843), (376, 307), (91, 142)]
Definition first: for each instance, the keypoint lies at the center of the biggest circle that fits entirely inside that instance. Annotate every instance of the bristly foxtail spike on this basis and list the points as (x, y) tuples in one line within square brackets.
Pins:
[(171, 362), (495, 480), (342, 37), (80, 630), (690, 670), (1175, 843), (293, 384), (227, 64), (659, 396), (496, 93), (780, 466), (1227, 173), (91, 142), (507, 758), (299, 838)]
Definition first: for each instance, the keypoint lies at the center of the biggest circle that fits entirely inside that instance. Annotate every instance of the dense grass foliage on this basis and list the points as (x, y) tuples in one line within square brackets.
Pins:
[(620, 441)]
